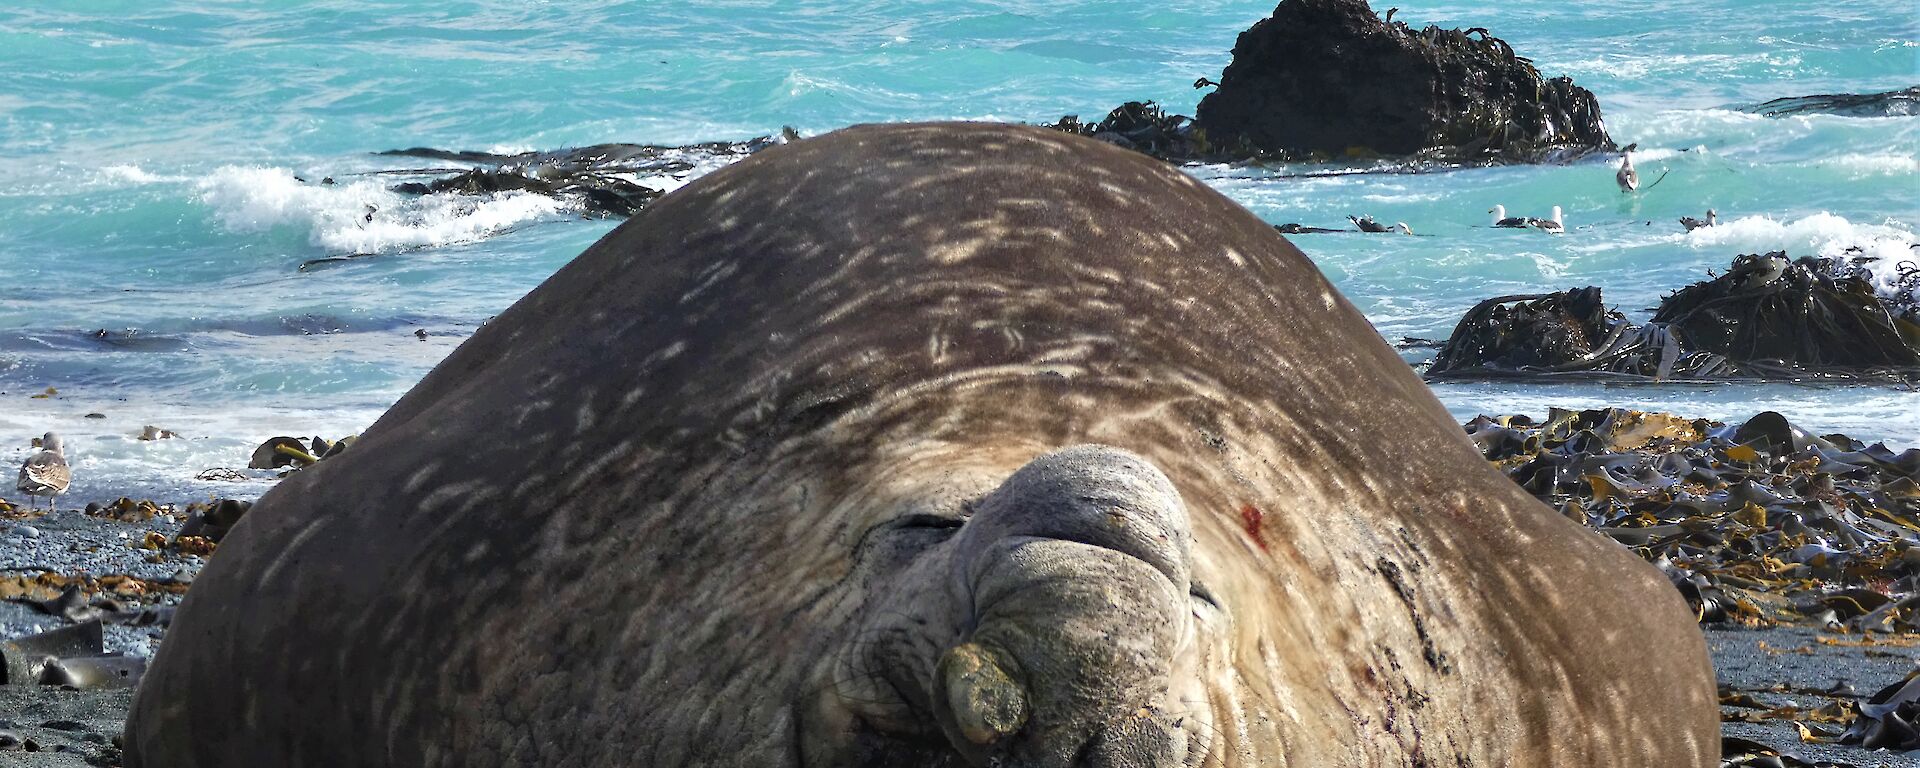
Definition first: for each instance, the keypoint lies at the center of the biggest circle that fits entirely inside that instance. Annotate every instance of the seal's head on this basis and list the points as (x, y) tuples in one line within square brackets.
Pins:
[(1048, 629)]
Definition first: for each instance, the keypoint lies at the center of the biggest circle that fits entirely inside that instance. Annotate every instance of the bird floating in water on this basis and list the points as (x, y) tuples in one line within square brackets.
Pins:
[(1551, 225), (1627, 177), (45, 473), (1692, 223), (1367, 224), (1501, 219), (1294, 228)]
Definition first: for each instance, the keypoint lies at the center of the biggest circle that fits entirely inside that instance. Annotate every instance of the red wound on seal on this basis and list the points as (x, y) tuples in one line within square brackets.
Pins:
[(1250, 517)]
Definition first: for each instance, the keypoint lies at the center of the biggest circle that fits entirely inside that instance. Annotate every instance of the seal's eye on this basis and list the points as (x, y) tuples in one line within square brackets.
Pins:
[(1200, 592), (922, 520)]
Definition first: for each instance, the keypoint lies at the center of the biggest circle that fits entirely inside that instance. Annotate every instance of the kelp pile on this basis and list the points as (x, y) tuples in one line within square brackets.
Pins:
[(1885, 720), (1765, 318), (1889, 719), (1758, 523)]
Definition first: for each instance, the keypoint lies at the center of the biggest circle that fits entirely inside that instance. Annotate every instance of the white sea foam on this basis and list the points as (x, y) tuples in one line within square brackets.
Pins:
[(1654, 153), (1633, 66), (363, 216), (1860, 166), (1821, 234), (133, 174), (110, 461)]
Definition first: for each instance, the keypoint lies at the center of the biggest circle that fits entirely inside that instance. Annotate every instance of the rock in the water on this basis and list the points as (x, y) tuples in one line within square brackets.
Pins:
[(1543, 331), (279, 452), (600, 194), (1328, 77), (1765, 318), (1766, 308), (598, 179), (1901, 103)]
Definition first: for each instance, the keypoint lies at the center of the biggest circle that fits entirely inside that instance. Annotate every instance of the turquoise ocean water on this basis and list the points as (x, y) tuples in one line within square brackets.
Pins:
[(148, 155)]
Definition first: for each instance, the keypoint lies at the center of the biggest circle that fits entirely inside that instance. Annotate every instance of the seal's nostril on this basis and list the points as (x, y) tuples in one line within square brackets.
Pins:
[(987, 705)]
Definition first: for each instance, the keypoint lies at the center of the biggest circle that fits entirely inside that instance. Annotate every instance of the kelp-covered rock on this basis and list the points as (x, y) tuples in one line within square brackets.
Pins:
[(1759, 523), (599, 194), (1548, 331), (1765, 318), (1795, 313), (1143, 126), (1329, 77), (599, 180), (1901, 103), (1571, 334)]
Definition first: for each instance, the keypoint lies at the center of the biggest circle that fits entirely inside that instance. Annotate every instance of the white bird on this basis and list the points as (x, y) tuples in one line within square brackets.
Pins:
[(1552, 225), (1628, 179), (45, 473), (1501, 219), (1692, 223)]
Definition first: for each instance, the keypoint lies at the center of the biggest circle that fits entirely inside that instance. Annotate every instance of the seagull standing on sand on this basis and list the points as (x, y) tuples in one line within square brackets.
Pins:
[(1628, 178), (1692, 223), (45, 473)]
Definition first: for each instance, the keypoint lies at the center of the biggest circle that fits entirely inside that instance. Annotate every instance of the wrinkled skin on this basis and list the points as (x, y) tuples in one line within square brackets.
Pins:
[(924, 445)]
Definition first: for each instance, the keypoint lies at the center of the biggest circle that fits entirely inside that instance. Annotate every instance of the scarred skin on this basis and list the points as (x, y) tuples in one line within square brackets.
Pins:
[(924, 445)]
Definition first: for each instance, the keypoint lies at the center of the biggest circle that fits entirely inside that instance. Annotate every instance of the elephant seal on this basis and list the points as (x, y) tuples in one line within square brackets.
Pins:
[(924, 445)]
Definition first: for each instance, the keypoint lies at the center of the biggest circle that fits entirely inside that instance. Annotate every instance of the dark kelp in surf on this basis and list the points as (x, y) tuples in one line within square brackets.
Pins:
[(601, 180), (1142, 126), (1901, 103)]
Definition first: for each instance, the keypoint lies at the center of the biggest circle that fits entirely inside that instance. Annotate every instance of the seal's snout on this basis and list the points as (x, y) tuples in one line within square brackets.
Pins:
[(1076, 571), (1095, 495)]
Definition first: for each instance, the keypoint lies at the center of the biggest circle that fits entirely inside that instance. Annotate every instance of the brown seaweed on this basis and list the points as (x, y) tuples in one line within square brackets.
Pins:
[(1758, 523)]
